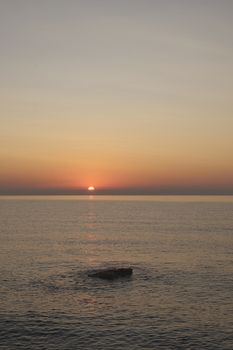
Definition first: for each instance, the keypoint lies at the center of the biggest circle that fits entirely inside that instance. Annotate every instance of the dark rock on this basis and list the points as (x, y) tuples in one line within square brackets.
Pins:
[(111, 274)]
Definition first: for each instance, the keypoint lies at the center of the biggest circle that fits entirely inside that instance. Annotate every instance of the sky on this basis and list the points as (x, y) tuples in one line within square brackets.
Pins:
[(129, 96)]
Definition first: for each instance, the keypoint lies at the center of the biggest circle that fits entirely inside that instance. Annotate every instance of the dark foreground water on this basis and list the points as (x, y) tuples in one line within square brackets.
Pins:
[(180, 295)]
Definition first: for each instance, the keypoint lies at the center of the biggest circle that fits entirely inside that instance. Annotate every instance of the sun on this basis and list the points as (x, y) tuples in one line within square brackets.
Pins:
[(91, 188)]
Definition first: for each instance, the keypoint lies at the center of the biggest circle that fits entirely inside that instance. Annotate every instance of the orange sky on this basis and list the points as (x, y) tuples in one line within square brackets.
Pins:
[(126, 94)]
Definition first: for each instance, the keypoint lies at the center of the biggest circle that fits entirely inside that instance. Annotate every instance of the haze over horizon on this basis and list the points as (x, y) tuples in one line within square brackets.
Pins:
[(130, 96)]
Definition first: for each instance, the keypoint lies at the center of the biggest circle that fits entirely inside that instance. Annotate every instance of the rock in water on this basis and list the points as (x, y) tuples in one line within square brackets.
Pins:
[(111, 274)]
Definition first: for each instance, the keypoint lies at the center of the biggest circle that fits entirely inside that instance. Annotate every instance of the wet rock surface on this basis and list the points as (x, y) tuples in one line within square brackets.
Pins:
[(112, 273)]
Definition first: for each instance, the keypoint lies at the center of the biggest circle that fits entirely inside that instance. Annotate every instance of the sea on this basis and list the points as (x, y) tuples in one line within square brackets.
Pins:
[(180, 295)]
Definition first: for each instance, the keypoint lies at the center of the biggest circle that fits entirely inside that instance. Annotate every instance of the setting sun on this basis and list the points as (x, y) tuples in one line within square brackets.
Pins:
[(91, 188)]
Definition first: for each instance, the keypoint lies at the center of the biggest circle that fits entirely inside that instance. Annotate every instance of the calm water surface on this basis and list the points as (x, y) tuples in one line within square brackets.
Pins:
[(179, 297)]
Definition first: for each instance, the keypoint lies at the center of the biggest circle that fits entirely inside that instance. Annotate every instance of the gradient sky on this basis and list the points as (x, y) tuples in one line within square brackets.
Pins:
[(125, 95)]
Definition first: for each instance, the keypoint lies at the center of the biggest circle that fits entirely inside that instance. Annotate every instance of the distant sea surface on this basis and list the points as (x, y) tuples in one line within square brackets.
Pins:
[(180, 294)]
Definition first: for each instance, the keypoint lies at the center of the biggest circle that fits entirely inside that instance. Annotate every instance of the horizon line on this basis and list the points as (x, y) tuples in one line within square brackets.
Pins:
[(119, 192)]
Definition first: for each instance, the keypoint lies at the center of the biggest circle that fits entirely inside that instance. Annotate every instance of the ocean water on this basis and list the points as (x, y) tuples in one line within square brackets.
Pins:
[(180, 294)]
